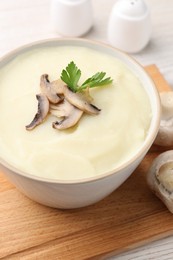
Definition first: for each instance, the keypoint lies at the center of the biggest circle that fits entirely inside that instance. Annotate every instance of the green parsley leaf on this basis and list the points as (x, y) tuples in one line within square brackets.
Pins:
[(72, 75), (96, 81)]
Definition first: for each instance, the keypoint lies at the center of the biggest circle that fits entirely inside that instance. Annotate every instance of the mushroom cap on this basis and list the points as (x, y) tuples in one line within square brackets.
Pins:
[(167, 104), (58, 86), (160, 178), (48, 89), (43, 109), (165, 133)]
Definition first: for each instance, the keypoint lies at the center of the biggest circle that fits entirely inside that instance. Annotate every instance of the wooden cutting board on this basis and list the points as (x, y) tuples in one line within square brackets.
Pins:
[(129, 217)]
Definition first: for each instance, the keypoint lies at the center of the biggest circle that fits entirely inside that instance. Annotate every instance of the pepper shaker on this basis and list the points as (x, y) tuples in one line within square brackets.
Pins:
[(129, 26), (71, 18)]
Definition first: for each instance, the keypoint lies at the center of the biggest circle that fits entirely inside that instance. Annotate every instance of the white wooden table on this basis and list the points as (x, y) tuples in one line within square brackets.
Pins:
[(24, 21)]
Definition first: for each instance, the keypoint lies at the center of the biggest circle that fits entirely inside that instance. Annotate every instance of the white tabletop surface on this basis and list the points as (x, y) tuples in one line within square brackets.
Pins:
[(24, 21)]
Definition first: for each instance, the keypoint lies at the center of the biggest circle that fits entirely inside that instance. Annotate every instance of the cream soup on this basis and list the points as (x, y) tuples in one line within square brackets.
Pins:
[(98, 143)]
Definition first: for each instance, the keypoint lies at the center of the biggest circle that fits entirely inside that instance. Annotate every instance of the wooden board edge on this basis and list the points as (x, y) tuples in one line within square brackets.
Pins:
[(157, 77)]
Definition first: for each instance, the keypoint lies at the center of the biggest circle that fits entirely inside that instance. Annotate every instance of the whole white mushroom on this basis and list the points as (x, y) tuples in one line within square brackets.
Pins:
[(160, 178), (165, 134)]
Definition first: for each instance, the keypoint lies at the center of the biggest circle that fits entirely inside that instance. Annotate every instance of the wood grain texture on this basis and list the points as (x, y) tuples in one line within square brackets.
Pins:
[(129, 217)]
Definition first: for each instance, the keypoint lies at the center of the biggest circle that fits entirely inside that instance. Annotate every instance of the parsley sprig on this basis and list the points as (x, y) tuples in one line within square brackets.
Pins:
[(72, 74)]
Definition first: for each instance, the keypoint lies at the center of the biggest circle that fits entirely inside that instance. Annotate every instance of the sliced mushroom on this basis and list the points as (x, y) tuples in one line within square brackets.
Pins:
[(48, 89), (58, 86), (80, 102), (70, 114), (63, 109), (43, 109), (64, 103), (165, 134), (85, 94), (160, 178)]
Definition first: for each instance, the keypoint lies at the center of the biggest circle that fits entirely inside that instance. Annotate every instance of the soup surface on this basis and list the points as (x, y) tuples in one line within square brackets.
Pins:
[(98, 143)]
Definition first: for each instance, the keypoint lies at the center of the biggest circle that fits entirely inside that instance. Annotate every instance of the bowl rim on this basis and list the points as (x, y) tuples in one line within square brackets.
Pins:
[(139, 152)]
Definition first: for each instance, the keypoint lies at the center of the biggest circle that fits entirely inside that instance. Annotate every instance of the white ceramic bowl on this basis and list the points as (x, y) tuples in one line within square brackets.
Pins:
[(74, 194)]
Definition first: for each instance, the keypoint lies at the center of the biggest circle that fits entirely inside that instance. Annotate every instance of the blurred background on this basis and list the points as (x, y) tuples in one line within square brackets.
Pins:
[(24, 21)]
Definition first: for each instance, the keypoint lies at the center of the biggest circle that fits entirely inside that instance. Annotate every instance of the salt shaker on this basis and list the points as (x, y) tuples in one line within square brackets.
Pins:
[(71, 18), (129, 26)]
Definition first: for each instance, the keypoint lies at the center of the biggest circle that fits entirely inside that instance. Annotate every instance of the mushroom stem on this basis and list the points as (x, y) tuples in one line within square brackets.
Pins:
[(70, 114)]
